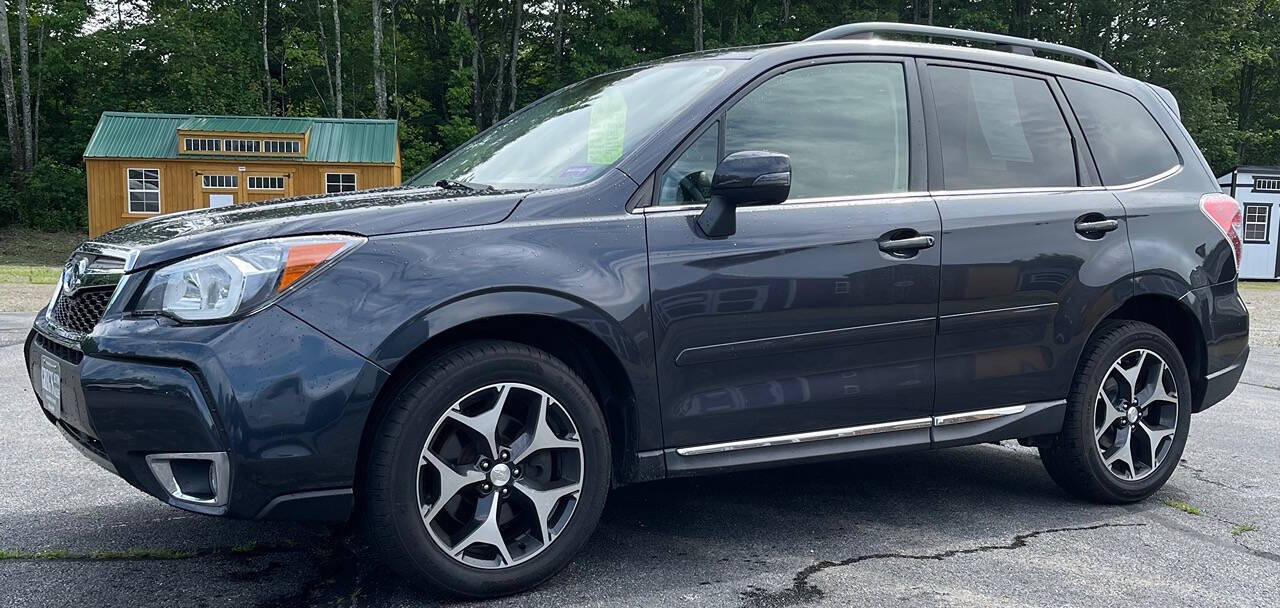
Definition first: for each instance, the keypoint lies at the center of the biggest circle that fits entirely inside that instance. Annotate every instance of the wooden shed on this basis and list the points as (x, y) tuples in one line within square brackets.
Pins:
[(141, 165)]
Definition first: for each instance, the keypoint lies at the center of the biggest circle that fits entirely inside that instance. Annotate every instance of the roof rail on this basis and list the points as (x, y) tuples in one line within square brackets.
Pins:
[(1011, 44)]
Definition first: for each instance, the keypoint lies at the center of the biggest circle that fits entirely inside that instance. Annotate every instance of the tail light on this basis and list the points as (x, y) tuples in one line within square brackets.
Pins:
[(1228, 216)]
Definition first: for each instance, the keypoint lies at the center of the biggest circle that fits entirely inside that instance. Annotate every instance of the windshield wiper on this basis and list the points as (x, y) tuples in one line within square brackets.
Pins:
[(453, 184)]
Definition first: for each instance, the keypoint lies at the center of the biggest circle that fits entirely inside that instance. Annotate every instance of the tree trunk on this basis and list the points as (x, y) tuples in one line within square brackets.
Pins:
[(477, 97), (337, 59), (35, 108), (697, 25), (266, 63), (29, 161), (786, 13), (515, 52), (559, 27), (379, 78), (1020, 19), (324, 45), (12, 119)]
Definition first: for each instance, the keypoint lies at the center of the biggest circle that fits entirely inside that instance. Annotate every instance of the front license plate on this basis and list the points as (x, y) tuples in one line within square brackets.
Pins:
[(51, 385)]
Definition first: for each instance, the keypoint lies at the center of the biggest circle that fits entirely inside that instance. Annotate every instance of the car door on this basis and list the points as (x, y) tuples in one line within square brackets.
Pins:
[(806, 320), (1035, 249)]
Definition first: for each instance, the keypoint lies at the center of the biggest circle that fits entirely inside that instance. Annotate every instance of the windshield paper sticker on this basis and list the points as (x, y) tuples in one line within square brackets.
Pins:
[(608, 125)]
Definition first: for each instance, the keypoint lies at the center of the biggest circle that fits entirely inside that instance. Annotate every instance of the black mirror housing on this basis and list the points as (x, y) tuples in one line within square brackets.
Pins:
[(751, 177)]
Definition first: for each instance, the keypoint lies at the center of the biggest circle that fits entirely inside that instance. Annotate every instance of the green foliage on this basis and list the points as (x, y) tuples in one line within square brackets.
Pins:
[(448, 62)]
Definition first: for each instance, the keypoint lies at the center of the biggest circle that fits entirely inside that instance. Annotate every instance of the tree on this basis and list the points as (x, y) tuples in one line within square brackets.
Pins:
[(697, 25), (28, 145), (11, 115), (337, 58), (266, 60), (516, 9), (379, 77)]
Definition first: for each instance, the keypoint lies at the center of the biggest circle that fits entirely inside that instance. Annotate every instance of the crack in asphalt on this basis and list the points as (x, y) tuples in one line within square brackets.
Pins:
[(1266, 386), (802, 591), (1202, 475)]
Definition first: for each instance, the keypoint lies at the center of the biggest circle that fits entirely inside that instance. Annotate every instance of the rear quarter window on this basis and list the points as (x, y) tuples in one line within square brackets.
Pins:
[(1127, 143)]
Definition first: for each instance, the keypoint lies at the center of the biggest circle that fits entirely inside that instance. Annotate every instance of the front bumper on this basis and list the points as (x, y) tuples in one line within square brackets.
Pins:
[(283, 402)]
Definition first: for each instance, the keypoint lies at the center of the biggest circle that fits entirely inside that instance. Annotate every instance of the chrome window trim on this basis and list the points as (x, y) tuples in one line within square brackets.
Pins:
[(901, 196), (866, 429)]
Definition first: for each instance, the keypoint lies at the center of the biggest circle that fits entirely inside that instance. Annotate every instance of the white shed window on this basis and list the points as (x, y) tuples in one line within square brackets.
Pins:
[(1257, 223), (220, 181), (1266, 184), (339, 182), (282, 146), (144, 190), (198, 144), (261, 182)]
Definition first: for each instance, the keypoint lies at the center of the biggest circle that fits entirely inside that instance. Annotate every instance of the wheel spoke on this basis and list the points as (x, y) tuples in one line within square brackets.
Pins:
[(1122, 451), (544, 501), (1131, 374), (451, 481), (1110, 415), (487, 532), (543, 438), (1161, 392), (485, 423), (1154, 438)]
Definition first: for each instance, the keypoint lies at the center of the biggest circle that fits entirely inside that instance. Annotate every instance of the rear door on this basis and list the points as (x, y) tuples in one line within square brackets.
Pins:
[(1035, 249), (800, 321)]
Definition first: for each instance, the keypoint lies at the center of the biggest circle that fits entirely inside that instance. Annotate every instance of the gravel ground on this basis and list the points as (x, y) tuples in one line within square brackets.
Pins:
[(24, 297), (1263, 300), (974, 526)]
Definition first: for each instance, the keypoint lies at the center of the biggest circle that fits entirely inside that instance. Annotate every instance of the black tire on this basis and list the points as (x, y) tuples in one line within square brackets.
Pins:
[(389, 491), (1072, 457)]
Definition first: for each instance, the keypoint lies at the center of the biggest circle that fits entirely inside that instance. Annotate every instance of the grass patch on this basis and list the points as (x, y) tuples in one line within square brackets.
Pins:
[(1242, 528), (35, 275), (1187, 508), (141, 554), (26, 247), (1260, 285)]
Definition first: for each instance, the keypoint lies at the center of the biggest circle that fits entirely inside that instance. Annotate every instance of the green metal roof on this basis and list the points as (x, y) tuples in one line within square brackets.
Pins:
[(246, 124), (332, 140)]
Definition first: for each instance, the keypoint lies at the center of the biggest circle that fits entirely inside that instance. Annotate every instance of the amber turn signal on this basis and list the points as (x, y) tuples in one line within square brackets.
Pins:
[(302, 258)]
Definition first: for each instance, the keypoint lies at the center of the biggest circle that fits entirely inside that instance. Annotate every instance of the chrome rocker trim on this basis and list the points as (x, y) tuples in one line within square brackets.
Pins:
[(867, 429)]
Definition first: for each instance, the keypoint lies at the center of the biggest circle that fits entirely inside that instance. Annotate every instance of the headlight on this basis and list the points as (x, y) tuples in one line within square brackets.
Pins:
[(239, 279)]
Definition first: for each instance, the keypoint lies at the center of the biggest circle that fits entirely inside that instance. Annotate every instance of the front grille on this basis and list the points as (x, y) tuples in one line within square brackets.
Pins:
[(66, 353), (81, 311)]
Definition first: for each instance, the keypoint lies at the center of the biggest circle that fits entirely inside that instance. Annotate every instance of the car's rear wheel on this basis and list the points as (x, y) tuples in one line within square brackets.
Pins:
[(489, 470), (1127, 417)]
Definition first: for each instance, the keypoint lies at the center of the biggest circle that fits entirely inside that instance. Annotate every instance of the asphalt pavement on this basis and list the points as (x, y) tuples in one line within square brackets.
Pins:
[(973, 526)]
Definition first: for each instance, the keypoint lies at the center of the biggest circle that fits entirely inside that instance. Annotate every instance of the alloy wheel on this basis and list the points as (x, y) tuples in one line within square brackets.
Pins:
[(500, 475), (1136, 415)]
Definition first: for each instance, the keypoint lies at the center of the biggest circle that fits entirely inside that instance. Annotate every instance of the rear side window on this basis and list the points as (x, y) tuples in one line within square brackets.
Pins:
[(1127, 143), (1000, 131)]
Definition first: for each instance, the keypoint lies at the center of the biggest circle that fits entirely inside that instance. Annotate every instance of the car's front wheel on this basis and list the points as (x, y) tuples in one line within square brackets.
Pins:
[(1127, 416), (488, 472)]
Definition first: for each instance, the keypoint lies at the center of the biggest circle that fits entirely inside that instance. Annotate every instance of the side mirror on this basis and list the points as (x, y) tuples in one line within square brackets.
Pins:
[(751, 177)]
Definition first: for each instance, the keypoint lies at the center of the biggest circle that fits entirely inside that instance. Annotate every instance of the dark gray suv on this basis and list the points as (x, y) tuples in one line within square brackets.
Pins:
[(731, 259)]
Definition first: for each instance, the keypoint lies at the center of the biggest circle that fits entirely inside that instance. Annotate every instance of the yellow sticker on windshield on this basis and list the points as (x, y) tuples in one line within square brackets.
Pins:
[(608, 126)]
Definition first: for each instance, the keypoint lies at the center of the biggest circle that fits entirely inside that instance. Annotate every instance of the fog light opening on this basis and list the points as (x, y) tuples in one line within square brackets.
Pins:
[(200, 477)]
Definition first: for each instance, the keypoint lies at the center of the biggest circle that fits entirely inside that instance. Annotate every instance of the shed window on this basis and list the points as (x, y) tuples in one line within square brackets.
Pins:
[(144, 190), (1266, 184), (1257, 223), (221, 181), (197, 144), (243, 145), (260, 182), (339, 182), (281, 146)]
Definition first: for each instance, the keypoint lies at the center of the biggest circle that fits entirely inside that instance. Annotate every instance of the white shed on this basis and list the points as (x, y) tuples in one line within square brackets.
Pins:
[(1258, 190)]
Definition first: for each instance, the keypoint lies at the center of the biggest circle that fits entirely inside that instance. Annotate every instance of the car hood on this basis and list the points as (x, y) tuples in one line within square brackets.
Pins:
[(366, 213)]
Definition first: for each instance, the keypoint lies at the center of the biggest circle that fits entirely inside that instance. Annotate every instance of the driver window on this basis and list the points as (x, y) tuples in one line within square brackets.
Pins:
[(688, 180)]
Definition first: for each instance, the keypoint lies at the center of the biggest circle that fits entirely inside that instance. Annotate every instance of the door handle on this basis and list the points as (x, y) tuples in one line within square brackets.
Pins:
[(1096, 227), (907, 245)]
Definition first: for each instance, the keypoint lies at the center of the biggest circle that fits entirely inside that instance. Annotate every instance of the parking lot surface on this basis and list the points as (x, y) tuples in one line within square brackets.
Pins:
[(974, 526)]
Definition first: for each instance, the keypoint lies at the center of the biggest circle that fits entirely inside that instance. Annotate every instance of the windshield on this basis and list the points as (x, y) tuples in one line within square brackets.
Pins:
[(577, 133)]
